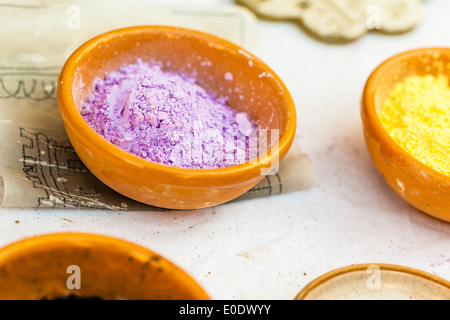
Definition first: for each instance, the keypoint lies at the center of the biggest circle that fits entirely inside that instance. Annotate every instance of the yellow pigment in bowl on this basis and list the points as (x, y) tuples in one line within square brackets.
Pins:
[(416, 114)]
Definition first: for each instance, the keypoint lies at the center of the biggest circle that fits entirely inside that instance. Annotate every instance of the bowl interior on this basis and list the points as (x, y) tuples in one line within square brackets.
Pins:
[(433, 61), (222, 68)]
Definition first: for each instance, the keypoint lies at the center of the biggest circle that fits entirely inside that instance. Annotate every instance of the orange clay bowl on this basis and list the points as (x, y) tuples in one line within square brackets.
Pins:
[(264, 97), (45, 267), (418, 184)]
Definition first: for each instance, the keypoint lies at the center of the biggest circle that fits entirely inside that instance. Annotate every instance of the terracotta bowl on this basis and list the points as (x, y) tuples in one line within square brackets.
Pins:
[(255, 89), (418, 184), (90, 266)]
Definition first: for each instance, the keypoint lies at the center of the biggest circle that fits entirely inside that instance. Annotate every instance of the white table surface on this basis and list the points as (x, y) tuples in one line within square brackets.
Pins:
[(270, 248)]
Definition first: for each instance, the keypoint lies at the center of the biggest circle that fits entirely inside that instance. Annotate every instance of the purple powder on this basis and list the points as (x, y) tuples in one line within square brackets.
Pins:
[(167, 118)]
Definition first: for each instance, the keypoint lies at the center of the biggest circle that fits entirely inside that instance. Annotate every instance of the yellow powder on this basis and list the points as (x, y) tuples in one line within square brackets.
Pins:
[(417, 116)]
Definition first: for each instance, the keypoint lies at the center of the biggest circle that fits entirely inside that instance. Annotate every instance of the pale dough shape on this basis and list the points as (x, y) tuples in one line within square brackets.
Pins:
[(342, 20)]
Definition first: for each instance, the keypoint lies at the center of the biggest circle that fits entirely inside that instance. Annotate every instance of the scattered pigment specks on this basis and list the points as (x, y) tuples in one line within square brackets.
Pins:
[(228, 76), (167, 118)]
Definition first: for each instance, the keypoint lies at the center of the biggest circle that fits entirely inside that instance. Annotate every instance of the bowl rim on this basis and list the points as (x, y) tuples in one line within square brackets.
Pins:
[(370, 114), (66, 102), (322, 279), (54, 239)]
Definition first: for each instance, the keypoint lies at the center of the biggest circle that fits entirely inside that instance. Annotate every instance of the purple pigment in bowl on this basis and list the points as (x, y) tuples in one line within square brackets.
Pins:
[(168, 118)]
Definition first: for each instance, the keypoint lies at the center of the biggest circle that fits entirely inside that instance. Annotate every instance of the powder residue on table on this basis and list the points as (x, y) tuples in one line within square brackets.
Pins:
[(417, 116), (168, 118)]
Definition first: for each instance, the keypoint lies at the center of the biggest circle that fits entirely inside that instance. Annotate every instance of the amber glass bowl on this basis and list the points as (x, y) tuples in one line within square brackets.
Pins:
[(421, 186), (254, 89), (376, 281), (90, 266)]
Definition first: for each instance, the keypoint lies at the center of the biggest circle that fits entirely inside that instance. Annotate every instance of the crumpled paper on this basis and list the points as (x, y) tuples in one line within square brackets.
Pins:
[(38, 166)]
